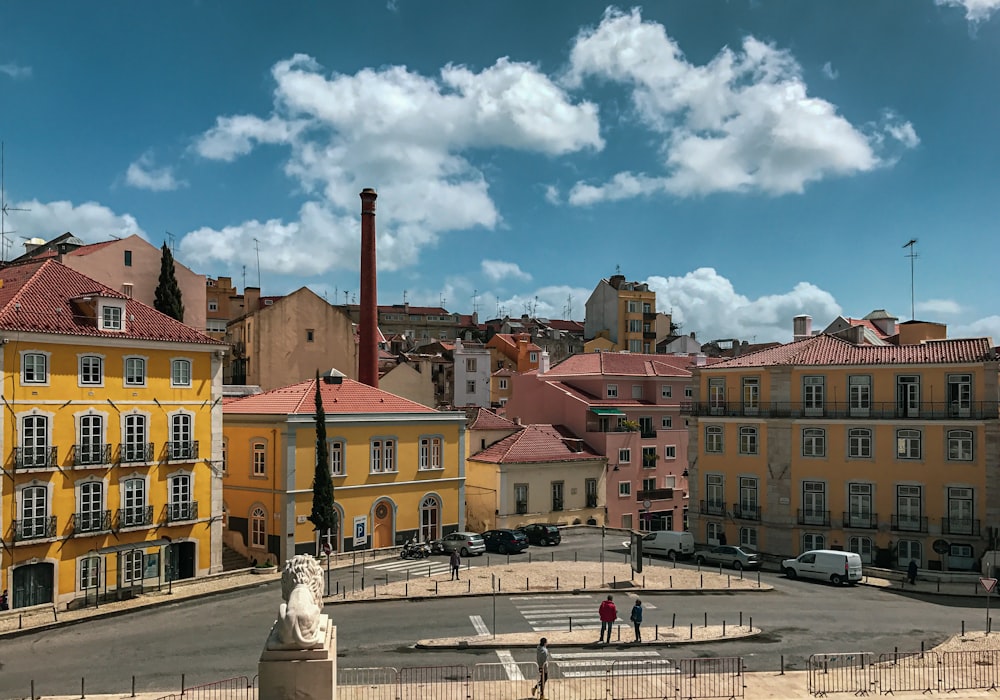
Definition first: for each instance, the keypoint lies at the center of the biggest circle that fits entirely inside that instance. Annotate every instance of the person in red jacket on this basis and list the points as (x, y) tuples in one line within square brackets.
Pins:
[(608, 613)]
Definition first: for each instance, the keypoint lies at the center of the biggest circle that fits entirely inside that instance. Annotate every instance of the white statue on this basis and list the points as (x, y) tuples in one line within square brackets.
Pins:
[(301, 623)]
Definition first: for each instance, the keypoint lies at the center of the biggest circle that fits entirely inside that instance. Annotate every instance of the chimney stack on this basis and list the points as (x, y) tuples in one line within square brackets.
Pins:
[(802, 327), (368, 327)]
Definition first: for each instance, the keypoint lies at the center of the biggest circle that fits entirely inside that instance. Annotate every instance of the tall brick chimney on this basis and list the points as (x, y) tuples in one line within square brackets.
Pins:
[(368, 327)]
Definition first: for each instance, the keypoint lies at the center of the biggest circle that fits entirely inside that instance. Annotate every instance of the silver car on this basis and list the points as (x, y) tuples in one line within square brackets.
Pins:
[(465, 543), (728, 555)]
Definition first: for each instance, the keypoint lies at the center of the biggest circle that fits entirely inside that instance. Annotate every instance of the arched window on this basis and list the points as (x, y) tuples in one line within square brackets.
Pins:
[(258, 528), (430, 519)]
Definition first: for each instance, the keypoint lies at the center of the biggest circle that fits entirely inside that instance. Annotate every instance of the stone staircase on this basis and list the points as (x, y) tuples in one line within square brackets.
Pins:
[(233, 560)]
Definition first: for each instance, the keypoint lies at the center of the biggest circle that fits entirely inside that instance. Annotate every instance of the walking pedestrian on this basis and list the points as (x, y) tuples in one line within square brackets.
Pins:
[(911, 571), (608, 614), (542, 659), (456, 563), (636, 618)]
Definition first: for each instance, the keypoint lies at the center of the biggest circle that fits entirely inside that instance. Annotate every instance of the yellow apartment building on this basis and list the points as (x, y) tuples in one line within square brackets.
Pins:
[(398, 468), (111, 422), (890, 451), (624, 313)]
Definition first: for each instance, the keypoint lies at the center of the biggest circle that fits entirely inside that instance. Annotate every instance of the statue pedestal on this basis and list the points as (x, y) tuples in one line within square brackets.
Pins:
[(300, 674)]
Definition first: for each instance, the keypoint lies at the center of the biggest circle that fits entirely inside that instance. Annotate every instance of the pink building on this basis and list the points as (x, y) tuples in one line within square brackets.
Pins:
[(626, 406)]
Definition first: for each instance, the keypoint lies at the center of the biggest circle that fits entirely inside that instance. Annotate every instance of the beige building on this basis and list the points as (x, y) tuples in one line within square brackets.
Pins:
[(288, 340), (411, 382), (129, 265)]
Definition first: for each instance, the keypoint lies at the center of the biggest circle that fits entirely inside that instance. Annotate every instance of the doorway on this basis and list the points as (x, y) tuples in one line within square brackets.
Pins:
[(180, 561), (383, 530), (33, 584)]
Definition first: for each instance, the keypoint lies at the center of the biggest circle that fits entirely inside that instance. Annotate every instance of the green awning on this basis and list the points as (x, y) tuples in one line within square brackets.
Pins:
[(607, 411)]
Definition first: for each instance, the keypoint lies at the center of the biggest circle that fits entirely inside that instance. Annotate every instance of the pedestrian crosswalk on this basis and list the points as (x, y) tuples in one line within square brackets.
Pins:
[(591, 664), (414, 567), (559, 613)]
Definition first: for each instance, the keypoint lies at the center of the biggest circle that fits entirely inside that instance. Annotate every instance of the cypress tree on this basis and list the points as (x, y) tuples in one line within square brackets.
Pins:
[(168, 292), (323, 517)]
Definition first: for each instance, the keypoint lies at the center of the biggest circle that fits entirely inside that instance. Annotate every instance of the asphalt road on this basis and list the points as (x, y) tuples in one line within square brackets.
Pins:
[(222, 636)]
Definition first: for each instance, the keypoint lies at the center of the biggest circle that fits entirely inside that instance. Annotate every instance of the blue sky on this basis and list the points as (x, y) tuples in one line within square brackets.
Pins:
[(752, 160)]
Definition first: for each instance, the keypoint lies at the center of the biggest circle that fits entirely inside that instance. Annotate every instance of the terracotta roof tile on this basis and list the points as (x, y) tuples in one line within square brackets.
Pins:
[(537, 443), (90, 248), (627, 364), (347, 397), (486, 419), (828, 350), (37, 297)]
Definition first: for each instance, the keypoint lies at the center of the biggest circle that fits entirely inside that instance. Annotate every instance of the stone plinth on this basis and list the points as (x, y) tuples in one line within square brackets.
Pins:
[(300, 674)]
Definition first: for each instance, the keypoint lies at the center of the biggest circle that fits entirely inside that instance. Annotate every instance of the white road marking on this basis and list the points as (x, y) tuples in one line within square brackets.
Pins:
[(510, 666), (477, 622)]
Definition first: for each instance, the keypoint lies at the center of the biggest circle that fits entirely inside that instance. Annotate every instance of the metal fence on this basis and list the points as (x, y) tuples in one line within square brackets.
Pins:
[(916, 671), (639, 679)]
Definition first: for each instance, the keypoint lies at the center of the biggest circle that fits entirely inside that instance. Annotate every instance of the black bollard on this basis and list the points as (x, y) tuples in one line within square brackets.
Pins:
[(83, 687), (673, 620), (741, 618), (706, 619), (469, 587), (723, 628), (133, 686), (691, 634), (435, 588), (571, 624)]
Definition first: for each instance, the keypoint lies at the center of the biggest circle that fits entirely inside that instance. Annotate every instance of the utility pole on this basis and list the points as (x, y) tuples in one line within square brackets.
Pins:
[(912, 256), (256, 245), (4, 208)]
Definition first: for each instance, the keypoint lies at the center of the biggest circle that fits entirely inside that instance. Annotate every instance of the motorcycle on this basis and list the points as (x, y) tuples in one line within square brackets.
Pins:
[(414, 550), (437, 547)]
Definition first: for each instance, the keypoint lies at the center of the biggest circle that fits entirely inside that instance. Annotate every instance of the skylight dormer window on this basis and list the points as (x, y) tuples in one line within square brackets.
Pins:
[(112, 317)]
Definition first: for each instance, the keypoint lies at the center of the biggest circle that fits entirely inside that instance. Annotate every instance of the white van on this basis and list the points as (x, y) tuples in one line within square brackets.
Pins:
[(831, 565), (669, 543)]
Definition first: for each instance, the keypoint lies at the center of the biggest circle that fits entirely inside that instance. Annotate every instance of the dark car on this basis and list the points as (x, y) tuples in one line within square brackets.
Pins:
[(505, 541), (539, 533)]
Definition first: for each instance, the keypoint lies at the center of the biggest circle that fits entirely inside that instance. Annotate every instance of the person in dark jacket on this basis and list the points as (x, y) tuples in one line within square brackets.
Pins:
[(636, 618), (608, 614), (456, 563), (911, 571)]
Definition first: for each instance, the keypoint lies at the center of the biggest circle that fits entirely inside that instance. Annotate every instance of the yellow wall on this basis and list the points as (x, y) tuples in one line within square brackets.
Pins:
[(63, 399)]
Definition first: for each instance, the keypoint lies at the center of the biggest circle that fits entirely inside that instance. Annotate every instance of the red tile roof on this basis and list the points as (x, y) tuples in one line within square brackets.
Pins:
[(511, 340), (347, 397), (37, 297), (91, 248), (828, 350), (504, 372), (626, 364), (537, 443), (563, 325), (485, 419)]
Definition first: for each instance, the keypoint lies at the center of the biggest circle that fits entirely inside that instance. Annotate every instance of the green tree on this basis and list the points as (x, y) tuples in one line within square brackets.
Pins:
[(168, 292), (324, 516)]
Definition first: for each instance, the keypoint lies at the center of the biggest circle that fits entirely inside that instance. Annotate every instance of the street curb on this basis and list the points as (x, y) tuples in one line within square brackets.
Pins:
[(548, 591), (158, 603), (462, 646)]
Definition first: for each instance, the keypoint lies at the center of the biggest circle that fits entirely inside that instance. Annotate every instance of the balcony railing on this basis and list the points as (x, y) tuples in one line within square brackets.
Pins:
[(746, 512), (34, 528), (93, 521), (186, 451), (185, 510), (959, 526), (861, 521), (654, 494), (927, 410), (136, 516), (909, 523), (647, 434), (812, 516), (96, 454), (713, 508), (35, 457), (522, 507), (136, 453)]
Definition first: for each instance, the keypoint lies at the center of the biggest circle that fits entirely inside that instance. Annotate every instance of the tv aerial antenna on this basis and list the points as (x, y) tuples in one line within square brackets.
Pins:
[(912, 255), (5, 208)]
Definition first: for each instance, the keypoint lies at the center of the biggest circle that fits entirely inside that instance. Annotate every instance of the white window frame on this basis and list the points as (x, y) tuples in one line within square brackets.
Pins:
[(337, 452), (961, 445), (749, 538), (714, 439), (670, 452), (909, 444), (863, 546), (89, 572), (611, 391), (258, 459), (666, 422), (859, 443), (749, 440), (258, 527), (129, 364), (178, 367), (112, 316), (177, 427), (431, 449), (624, 455), (502, 383), (213, 305), (133, 562), (86, 375), (624, 489), (814, 442), (533, 356), (813, 540), (813, 394), (36, 357), (382, 453), (688, 392), (134, 499), (666, 391)]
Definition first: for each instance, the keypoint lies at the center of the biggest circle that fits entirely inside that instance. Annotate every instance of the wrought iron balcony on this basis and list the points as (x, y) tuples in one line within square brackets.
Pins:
[(654, 494), (136, 453), (745, 511), (909, 523), (713, 508), (522, 507), (959, 526), (38, 528), (926, 410), (35, 457), (136, 516), (186, 451), (184, 510), (812, 516), (647, 434), (92, 455), (861, 521), (90, 522)]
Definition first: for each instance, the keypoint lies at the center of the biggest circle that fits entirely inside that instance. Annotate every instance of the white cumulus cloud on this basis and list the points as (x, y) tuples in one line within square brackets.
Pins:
[(829, 71), (15, 71), (497, 270), (743, 122), (409, 135), (975, 10), (90, 221), (144, 175), (706, 303), (943, 307), (984, 327)]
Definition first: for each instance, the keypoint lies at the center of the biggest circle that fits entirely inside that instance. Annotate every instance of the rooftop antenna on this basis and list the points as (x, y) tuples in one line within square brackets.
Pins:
[(256, 245), (441, 300), (170, 240), (912, 256), (244, 278), (4, 208), (345, 297)]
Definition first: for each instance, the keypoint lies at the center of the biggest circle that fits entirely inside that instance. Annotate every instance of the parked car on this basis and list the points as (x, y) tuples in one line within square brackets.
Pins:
[(668, 542), (834, 566), (540, 533), (505, 541), (728, 555), (465, 543)]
